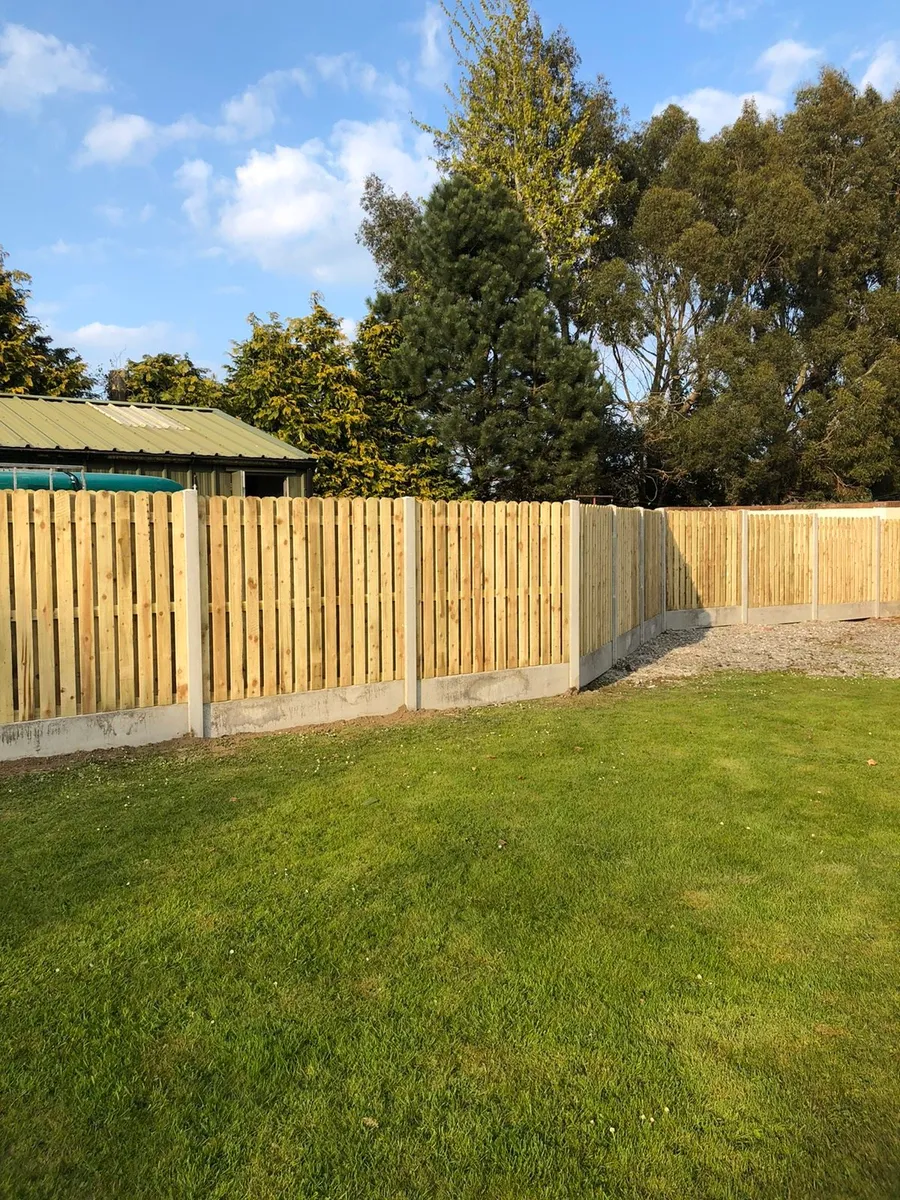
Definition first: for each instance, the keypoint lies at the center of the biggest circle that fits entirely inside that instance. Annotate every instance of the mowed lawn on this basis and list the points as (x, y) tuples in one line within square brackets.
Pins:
[(641, 943)]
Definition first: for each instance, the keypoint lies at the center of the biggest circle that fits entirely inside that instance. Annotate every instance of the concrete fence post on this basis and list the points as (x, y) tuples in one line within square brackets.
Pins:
[(411, 602), (192, 615), (814, 564), (614, 569), (745, 566), (642, 560), (574, 507)]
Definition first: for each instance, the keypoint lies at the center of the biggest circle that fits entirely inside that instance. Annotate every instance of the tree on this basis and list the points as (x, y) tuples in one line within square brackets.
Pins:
[(414, 462), (519, 116), (521, 412), (297, 379), (163, 379), (29, 362)]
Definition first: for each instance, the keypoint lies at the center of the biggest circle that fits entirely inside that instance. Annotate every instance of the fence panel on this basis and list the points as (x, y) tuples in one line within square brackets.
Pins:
[(89, 592), (780, 564), (301, 594), (890, 560), (492, 586), (628, 569), (703, 559), (846, 560), (654, 535), (596, 578)]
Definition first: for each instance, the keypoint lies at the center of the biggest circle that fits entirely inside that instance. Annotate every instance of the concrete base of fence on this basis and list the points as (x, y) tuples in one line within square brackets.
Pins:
[(890, 608), (702, 618), (654, 626), (848, 612), (494, 687), (595, 664), (266, 714), (785, 614), (93, 731)]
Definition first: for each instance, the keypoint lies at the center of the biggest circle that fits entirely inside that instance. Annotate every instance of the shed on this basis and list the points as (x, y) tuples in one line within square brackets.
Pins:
[(198, 447)]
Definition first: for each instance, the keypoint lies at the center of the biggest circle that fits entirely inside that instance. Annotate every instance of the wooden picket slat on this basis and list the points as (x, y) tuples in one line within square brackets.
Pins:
[(234, 524), (67, 670), (125, 599), (284, 595), (25, 647), (162, 571), (371, 593), (104, 550), (344, 592), (453, 609), (489, 550), (253, 643), (358, 589), (387, 589), (43, 596), (84, 571), (307, 602), (321, 571), (268, 594), (330, 593), (180, 648), (218, 598), (478, 587), (427, 647), (465, 602)]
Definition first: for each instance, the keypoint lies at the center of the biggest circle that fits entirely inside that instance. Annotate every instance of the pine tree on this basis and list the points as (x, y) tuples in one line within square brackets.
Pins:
[(521, 412)]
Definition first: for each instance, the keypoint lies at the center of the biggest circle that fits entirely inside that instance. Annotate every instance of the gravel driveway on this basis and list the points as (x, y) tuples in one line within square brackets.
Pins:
[(827, 648)]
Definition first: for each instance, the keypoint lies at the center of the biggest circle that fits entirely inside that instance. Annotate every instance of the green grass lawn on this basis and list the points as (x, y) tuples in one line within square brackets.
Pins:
[(642, 943)]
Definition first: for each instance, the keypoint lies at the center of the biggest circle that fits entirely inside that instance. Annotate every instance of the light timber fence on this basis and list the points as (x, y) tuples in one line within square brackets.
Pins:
[(135, 618)]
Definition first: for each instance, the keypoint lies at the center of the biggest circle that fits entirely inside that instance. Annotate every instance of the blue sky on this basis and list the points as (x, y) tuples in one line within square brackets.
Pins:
[(170, 167)]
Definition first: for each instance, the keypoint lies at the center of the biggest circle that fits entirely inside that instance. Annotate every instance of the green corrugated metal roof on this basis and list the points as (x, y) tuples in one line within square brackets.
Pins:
[(50, 423)]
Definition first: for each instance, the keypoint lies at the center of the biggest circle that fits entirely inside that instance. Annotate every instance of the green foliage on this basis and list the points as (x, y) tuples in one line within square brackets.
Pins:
[(521, 412), (29, 362), (519, 117), (751, 310), (163, 379), (297, 379)]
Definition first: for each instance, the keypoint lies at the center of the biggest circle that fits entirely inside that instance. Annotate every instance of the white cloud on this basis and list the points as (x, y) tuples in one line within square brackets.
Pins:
[(713, 108), (127, 137), (36, 65), (349, 328), (297, 208), (351, 74), (255, 110), (787, 63), (195, 177), (433, 65), (713, 14), (117, 138), (97, 339), (883, 72)]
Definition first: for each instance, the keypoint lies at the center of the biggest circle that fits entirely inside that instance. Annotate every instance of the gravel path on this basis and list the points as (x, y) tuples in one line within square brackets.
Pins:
[(828, 648)]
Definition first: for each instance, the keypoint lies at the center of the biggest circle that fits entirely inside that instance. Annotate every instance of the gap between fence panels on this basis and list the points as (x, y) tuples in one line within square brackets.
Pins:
[(138, 618)]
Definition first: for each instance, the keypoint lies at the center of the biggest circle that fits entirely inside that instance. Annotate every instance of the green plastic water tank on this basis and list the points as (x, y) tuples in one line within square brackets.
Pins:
[(91, 481)]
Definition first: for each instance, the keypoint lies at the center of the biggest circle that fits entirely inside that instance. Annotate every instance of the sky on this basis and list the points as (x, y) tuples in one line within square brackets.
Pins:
[(171, 167)]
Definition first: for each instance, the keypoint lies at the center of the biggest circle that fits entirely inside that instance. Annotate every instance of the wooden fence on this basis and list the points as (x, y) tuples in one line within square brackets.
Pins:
[(132, 603)]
